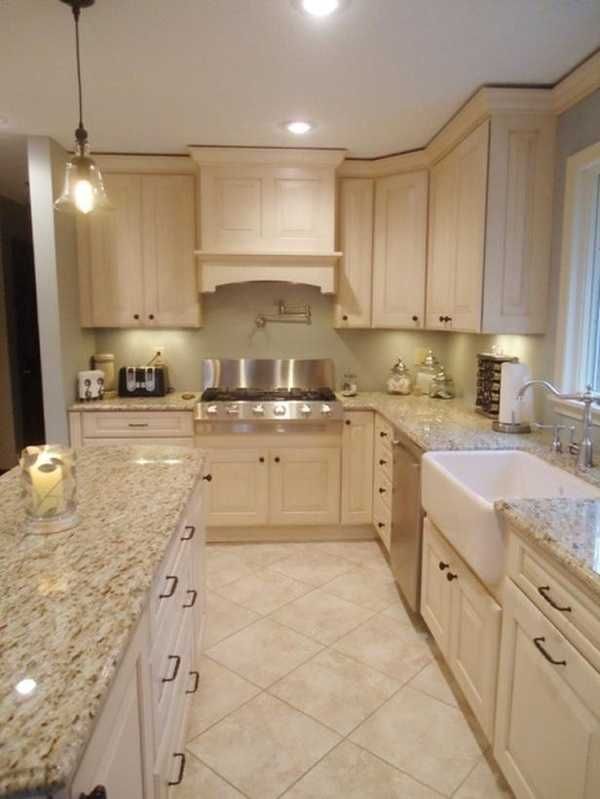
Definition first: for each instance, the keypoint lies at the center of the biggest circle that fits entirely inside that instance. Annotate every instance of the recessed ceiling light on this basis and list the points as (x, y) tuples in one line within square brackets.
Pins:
[(320, 8), (298, 127)]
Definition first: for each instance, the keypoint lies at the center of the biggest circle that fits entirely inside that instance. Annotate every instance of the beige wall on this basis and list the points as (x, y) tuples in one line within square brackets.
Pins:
[(229, 331)]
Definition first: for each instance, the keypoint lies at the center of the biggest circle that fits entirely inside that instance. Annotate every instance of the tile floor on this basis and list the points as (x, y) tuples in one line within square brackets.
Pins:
[(317, 684)]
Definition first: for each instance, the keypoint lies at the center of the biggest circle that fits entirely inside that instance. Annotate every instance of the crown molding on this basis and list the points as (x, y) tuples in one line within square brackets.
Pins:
[(273, 156), (151, 164), (577, 85), (386, 165)]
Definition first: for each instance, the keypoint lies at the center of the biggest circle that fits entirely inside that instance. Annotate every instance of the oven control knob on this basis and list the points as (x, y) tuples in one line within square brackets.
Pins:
[(326, 410), (305, 410), (279, 410), (233, 410), (212, 410), (258, 410)]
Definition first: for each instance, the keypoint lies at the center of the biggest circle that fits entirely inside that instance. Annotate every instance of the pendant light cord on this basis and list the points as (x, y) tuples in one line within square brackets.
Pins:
[(80, 133)]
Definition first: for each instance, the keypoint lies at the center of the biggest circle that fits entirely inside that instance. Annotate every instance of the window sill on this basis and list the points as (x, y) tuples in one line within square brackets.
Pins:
[(574, 410)]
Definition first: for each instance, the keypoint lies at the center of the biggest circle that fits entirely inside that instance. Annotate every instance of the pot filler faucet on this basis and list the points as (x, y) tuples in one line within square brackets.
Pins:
[(584, 449)]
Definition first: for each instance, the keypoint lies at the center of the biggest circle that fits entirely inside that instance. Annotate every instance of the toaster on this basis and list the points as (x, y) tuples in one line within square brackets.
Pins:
[(143, 381)]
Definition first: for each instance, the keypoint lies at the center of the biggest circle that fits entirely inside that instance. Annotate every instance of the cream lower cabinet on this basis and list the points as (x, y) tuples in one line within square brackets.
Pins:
[(305, 486), (120, 428), (357, 468), (239, 491), (465, 621)]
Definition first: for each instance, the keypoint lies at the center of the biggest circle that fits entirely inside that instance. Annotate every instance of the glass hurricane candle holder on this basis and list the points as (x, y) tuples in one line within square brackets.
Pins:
[(49, 488)]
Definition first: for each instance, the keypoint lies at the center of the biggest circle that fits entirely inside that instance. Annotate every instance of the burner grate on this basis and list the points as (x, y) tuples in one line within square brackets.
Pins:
[(271, 395)]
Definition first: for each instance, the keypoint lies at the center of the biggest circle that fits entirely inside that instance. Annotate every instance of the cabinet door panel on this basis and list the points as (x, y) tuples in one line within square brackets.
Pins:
[(353, 298), (399, 260), (237, 494), (436, 591), (171, 291), (547, 738), (305, 486), (111, 258), (357, 468), (442, 241)]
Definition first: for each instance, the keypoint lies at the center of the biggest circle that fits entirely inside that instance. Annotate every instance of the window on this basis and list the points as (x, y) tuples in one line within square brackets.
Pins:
[(578, 329)]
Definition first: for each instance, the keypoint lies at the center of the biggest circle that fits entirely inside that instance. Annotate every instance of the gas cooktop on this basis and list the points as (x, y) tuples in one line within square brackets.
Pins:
[(268, 395)]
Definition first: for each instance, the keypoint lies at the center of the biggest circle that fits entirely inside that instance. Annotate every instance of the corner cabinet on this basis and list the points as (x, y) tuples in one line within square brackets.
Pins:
[(353, 299), (489, 228), (136, 263)]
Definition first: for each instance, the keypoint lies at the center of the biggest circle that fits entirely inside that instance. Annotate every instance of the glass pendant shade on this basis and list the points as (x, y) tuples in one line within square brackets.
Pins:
[(83, 191)]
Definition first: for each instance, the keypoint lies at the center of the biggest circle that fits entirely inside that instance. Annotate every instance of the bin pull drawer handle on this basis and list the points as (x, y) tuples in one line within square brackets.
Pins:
[(173, 676), (137, 424), (538, 643), (179, 779), (194, 596), (543, 590)]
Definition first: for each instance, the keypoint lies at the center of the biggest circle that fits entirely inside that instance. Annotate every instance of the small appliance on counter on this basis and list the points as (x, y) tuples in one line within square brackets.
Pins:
[(442, 385), (399, 379), (489, 381), (143, 381), (90, 385), (426, 371)]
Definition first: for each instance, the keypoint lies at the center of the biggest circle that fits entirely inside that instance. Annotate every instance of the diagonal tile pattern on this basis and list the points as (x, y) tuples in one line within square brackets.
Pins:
[(318, 684)]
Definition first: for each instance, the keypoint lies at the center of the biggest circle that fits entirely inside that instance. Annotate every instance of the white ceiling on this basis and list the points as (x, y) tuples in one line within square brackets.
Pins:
[(380, 77)]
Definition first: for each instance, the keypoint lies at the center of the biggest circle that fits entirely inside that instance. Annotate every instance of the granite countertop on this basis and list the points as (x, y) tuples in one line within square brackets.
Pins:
[(170, 402), (70, 602)]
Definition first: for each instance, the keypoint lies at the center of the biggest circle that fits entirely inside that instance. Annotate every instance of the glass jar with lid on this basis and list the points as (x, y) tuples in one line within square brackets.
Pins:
[(442, 385), (426, 371), (399, 379), (350, 385)]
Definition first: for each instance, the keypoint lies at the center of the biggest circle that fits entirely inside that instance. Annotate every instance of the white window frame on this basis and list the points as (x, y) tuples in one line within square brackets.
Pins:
[(582, 175)]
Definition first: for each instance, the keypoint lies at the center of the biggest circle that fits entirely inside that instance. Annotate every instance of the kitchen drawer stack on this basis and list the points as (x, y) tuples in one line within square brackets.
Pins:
[(382, 483), (489, 373), (177, 618)]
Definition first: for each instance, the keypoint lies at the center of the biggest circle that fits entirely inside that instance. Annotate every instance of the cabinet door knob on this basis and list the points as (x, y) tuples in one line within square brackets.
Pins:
[(175, 672), (345, 318), (172, 587), (415, 318), (538, 644), (348, 422), (443, 565), (136, 316), (196, 676), (208, 478), (261, 459), (277, 460), (179, 779), (382, 490), (150, 316), (382, 463), (382, 434), (380, 524), (451, 577), (442, 319)]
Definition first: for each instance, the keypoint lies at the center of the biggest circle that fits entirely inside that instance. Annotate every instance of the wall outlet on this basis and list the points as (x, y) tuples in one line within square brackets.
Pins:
[(420, 353), (158, 354)]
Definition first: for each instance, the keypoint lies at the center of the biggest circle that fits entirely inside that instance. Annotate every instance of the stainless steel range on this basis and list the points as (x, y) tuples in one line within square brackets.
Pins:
[(249, 390)]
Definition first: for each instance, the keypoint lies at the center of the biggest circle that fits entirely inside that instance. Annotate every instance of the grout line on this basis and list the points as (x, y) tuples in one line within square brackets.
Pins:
[(217, 774)]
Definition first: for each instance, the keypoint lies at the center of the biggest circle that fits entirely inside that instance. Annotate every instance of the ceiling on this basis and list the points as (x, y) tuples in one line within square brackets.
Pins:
[(13, 167), (381, 76)]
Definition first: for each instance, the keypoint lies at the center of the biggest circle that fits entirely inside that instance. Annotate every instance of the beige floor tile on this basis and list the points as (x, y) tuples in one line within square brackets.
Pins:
[(264, 747), (260, 556), (436, 683), (484, 782), (219, 692), (335, 690), (264, 652), (322, 616), (223, 618), (365, 587), (263, 592), (423, 737), (399, 612), (389, 646), (312, 568), (202, 783), (223, 568), (349, 772)]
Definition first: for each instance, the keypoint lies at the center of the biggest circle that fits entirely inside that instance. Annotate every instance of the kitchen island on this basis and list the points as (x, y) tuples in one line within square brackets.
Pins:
[(75, 606)]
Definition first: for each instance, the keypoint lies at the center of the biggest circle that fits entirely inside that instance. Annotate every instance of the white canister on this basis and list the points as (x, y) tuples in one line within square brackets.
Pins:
[(91, 385), (105, 362)]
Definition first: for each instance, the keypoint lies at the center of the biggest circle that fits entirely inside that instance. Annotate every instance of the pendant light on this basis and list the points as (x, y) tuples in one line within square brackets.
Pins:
[(83, 191)]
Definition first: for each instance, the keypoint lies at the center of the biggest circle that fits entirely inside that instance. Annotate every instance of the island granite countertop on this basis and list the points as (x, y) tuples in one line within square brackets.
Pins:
[(70, 602)]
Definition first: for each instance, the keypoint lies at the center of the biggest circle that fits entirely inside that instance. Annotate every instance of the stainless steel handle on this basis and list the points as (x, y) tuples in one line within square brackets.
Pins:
[(173, 586), (177, 659), (538, 644), (179, 779)]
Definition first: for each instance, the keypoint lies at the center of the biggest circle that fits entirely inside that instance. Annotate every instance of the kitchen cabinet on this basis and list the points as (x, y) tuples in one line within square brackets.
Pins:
[(357, 467), (305, 486), (136, 263), (353, 298), (239, 491), (465, 621), (490, 214), (547, 739), (101, 428), (400, 247)]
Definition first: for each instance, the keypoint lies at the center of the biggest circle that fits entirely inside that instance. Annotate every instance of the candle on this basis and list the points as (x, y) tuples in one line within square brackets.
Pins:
[(47, 485), (49, 489)]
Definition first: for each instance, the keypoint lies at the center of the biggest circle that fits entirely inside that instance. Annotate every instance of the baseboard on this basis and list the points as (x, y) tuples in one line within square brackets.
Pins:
[(337, 532)]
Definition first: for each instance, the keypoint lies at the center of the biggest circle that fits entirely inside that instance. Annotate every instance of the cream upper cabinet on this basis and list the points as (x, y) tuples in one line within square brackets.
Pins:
[(136, 263), (357, 467), (262, 208), (489, 228), (305, 486), (457, 235), (354, 287), (400, 247), (547, 738)]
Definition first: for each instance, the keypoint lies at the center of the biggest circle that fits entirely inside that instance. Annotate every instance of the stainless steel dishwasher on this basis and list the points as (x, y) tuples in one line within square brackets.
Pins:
[(407, 518)]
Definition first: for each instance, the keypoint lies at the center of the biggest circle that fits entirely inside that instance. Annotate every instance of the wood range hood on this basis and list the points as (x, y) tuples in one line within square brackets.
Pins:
[(267, 214)]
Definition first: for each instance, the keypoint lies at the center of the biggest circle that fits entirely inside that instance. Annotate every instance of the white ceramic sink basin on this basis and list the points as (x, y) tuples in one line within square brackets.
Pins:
[(459, 490)]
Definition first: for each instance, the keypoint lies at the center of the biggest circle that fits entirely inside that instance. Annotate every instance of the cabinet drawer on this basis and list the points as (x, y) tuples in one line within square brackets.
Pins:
[(384, 432), (130, 424), (553, 594), (382, 488), (382, 519), (383, 458)]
